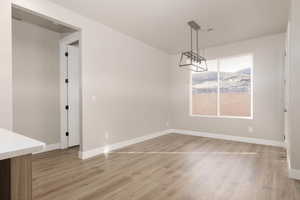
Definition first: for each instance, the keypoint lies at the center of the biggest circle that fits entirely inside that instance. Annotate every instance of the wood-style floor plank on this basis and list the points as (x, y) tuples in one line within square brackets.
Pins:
[(173, 166)]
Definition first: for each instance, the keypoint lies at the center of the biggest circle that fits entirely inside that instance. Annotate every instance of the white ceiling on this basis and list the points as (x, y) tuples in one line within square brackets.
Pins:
[(162, 23)]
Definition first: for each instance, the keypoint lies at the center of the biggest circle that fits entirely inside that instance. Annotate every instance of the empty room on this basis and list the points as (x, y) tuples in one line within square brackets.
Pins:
[(149, 100)]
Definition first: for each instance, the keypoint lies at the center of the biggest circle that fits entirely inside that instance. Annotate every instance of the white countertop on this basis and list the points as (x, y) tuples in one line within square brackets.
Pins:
[(13, 145)]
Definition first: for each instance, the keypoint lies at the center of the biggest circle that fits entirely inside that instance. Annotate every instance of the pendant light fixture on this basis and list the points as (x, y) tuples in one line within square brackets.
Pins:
[(191, 60)]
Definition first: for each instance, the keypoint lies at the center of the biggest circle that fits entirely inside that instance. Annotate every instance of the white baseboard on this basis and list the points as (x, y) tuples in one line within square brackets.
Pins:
[(101, 150), (294, 173), (49, 147), (228, 137)]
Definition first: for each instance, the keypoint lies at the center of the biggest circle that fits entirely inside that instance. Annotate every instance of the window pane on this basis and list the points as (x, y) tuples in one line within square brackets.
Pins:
[(235, 86), (204, 91)]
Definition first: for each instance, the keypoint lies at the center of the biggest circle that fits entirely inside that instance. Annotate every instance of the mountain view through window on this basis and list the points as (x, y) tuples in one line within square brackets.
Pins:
[(224, 90)]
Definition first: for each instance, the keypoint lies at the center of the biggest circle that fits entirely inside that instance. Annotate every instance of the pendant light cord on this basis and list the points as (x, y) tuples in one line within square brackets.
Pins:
[(191, 43)]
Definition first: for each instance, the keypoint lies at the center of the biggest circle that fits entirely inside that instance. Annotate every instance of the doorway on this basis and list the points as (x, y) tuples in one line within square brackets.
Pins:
[(70, 90), (42, 82)]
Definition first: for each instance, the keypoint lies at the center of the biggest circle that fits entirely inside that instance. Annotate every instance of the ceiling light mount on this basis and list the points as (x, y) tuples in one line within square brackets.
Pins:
[(191, 60), (194, 25)]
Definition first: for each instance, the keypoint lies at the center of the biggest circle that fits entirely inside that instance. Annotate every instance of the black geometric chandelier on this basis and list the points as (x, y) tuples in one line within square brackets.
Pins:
[(191, 60)]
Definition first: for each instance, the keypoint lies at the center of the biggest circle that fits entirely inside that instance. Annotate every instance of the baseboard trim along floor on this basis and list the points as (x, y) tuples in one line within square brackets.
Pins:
[(98, 151), (229, 137), (293, 173), (105, 149)]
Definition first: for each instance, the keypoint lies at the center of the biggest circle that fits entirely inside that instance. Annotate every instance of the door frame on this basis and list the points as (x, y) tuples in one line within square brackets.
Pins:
[(63, 46), (286, 88)]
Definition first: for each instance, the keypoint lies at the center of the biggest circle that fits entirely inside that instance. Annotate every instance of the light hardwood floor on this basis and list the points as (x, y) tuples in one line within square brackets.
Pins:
[(173, 166)]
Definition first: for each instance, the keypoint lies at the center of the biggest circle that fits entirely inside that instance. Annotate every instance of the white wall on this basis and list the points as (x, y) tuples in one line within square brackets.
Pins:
[(126, 87), (294, 98), (127, 79), (36, 108), (5, 66), (268, 95)]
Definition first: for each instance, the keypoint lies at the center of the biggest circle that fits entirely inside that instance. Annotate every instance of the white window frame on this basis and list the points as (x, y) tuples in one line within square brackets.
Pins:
[(218, 93)]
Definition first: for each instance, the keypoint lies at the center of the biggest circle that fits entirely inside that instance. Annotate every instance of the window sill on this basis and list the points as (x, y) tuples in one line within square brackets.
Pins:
[(220, 117)]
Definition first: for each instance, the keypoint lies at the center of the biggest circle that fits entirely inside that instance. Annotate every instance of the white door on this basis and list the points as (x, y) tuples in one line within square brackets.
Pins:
[(73, 92)]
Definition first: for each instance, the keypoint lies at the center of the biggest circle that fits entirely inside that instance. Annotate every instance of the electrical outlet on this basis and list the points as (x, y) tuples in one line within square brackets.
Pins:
[(250, 129), (167, 124), (106, 135)]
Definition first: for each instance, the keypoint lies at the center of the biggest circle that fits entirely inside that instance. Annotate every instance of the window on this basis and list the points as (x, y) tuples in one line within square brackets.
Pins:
[(225, 90)]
